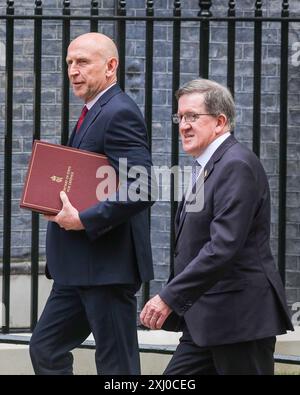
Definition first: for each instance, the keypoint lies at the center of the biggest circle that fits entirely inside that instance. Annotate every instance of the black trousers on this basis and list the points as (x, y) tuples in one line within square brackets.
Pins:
[(246, 358), (72, 313)]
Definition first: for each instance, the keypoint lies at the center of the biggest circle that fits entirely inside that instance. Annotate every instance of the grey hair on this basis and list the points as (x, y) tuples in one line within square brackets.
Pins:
[(217, 98)]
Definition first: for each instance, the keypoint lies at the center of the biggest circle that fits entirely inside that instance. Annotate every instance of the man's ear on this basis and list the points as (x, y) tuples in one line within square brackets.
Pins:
[(111, 67), (221, 123)]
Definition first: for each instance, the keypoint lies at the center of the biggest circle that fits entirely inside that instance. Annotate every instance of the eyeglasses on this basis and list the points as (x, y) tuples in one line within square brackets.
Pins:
[(188, 117)]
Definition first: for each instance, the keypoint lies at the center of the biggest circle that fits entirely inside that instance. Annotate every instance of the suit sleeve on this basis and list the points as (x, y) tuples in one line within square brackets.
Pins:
[(235, 204), (125, 140)]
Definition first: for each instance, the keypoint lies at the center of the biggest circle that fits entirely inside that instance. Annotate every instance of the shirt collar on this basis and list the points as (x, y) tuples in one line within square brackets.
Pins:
[(210, 149), (90, 104)]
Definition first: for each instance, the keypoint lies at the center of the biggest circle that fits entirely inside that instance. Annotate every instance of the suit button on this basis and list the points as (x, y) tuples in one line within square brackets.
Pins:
[(175, 253)]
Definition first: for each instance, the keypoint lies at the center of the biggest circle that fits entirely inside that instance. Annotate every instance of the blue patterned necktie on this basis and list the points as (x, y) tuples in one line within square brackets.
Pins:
[(196, 168)]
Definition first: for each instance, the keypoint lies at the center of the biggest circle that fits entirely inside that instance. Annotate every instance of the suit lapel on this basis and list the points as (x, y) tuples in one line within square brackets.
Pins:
[(182, 216), (77, 137), (88, 120), (217, 155), (71, 138), (178, 214)]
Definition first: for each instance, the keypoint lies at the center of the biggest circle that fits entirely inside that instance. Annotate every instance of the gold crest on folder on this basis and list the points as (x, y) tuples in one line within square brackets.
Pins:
[(56, 179)]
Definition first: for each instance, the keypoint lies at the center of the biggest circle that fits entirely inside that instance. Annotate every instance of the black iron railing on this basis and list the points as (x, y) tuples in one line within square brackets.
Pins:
[(204, 18)]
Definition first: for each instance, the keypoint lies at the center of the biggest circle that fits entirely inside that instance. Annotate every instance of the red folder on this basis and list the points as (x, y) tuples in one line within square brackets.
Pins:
[(86, 177)]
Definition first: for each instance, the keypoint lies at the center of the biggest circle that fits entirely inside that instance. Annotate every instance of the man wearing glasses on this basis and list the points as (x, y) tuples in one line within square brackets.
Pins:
[(225, 291)]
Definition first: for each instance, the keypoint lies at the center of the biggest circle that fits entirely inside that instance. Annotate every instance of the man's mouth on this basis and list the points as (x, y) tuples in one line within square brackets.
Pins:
[(188, 136), (77, 84)]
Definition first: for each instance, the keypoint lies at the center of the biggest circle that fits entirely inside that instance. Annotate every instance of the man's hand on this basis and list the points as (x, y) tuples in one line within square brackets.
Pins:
[(154, 313), (68, 217)]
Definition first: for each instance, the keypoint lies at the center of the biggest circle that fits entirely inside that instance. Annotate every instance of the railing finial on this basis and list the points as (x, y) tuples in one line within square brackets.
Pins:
[(231, 8), (66, 3), (94, 4), (10, 3), (258, 6), (149, 4), (285, 8), (122, 4), (177, 4), (205, 8)]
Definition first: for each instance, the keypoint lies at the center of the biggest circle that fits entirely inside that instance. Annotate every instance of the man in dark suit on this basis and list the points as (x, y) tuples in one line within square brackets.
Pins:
[(98, 257), (225, 289)]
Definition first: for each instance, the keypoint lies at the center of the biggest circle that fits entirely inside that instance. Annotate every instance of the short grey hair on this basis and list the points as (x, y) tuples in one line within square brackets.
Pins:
[(217, 98)]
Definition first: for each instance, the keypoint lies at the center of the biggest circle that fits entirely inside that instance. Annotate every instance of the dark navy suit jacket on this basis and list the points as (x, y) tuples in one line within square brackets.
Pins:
[(115, 245), (225, 283)]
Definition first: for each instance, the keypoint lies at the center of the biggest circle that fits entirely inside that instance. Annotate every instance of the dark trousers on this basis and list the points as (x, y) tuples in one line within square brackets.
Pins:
[(246, 358), (72, 313)]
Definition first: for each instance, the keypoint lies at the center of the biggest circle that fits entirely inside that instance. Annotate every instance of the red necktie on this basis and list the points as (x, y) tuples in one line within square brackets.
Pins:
[(81, 118)]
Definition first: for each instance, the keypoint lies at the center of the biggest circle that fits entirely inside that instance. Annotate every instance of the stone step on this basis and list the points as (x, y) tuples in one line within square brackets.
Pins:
[(155, 346)]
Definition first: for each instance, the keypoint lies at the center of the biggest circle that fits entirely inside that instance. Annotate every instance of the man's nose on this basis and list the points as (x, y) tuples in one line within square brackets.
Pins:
[(184, 125), (73, 70)]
